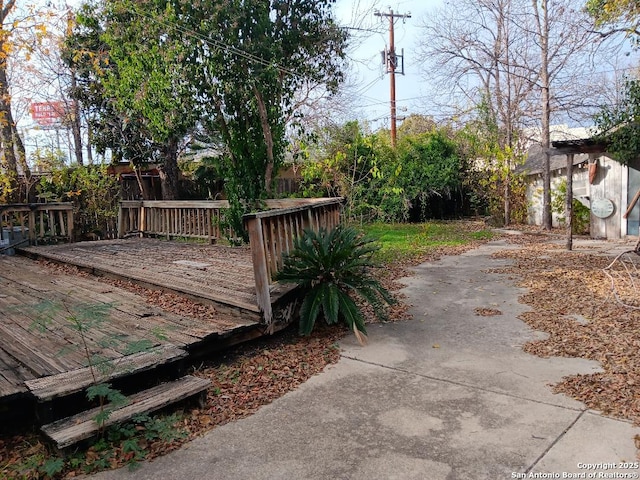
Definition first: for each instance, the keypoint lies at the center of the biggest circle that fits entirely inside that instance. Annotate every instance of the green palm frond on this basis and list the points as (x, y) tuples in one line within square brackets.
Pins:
[(333, 269)]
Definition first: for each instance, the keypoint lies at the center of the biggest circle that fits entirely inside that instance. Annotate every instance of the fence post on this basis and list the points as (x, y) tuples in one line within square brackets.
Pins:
[(32, 226), (70, 224), (142, 220)]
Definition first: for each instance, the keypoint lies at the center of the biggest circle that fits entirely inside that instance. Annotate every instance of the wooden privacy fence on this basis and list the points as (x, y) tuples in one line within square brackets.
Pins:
[(271, 232), (35, 222)]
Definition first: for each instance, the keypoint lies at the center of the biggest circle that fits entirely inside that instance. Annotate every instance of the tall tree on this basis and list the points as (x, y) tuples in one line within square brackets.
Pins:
[(476, 55), (168, 66), (44, 76), (145, 80), (13, 151), (527, 62), (257, 56)]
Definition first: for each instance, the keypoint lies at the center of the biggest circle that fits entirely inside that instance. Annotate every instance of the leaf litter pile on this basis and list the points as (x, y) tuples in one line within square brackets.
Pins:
[(576, 298)]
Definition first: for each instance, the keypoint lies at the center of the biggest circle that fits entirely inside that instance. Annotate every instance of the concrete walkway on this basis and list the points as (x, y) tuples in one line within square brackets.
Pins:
[(449, 395)]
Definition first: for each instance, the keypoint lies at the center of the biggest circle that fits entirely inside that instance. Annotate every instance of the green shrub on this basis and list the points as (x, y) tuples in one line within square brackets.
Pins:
[(332, 268), (581, 214)]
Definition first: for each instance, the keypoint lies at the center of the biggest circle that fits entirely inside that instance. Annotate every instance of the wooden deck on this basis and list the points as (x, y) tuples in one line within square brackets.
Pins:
[(42, 354), (44, 357), (214, 273)]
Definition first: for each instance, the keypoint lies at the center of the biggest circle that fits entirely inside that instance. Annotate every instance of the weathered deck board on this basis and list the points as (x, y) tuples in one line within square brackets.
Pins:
[(31, 350), (213, 272), (47, 388), (12, 375), (79, 427)]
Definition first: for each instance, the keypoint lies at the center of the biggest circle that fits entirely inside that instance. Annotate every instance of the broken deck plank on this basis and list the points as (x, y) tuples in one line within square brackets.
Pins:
[(66, 383), (71, 430), (29, 349)]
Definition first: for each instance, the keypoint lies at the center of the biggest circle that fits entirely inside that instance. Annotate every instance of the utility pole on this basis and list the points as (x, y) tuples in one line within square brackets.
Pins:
[(392, 61)]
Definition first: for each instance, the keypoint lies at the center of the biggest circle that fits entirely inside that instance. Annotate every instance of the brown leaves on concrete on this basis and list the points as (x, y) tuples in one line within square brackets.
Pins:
[(572, 300), (487, 312)]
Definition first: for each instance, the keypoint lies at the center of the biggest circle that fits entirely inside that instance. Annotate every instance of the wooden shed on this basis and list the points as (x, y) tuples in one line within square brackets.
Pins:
[(601, 183)]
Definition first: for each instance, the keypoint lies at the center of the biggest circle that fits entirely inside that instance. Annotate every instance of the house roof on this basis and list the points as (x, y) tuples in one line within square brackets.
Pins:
[(582, 145), (534, 164)]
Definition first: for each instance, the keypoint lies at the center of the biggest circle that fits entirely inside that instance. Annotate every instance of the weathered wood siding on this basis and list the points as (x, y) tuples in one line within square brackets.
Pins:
[(610, 183)]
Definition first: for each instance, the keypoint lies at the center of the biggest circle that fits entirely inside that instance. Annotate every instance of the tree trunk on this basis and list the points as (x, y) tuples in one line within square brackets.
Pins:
[(545, 140), (75, 123), (89, 140), (507, 200), (569, 201), (268, 139), (7, 137), (169, 171)]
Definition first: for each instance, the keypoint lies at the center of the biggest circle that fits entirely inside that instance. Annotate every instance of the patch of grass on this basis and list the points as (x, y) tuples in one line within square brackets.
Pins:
[(402, 241)]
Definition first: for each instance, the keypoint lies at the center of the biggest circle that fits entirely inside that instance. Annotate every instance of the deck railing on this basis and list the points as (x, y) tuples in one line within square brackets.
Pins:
[(271, 232), (172, 219), (35, 223)]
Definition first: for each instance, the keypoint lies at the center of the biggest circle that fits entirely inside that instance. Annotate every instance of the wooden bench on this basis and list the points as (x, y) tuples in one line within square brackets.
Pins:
[(71, 430)]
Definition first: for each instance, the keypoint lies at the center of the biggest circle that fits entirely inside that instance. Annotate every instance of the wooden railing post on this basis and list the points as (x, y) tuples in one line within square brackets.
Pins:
[(32, 227), (260, 270), (142, 220), (120, 221), (70, 224)]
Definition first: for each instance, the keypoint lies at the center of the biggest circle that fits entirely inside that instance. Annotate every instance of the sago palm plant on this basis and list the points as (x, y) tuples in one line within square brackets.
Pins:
[(333, 270)]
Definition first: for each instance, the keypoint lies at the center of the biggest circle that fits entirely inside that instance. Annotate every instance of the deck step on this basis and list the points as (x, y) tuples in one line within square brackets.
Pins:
[(67, 383), (71, 430)]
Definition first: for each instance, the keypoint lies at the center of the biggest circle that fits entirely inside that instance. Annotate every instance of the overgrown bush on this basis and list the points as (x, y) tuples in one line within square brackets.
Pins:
[(381, 183), (94, 194), (581, 214)]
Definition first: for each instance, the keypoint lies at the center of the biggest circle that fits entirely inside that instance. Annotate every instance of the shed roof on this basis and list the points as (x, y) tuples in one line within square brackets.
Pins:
[(534, 164)]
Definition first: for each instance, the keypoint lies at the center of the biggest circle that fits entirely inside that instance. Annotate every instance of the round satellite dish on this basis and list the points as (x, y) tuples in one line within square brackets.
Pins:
[(602, 207)]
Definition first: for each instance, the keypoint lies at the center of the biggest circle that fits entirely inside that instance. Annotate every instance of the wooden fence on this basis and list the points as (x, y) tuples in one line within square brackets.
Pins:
[(35, 223), (271, 232)]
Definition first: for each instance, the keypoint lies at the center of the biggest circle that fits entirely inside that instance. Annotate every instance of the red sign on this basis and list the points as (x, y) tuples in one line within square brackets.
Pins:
[(47, 113)]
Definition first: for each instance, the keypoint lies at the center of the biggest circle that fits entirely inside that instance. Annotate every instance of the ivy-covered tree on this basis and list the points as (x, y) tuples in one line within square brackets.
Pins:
[(256, 55), (619, 125), (231, 66), (137, 78)]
